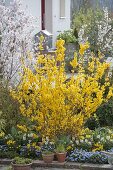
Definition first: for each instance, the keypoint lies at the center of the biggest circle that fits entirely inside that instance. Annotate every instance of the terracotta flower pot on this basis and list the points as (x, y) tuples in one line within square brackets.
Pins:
[(21, 167), (48, 158), (61, 157)]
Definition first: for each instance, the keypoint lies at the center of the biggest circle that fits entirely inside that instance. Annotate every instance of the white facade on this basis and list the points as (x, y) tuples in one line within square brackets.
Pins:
[(33, 7), (54, 22), (60, 24)]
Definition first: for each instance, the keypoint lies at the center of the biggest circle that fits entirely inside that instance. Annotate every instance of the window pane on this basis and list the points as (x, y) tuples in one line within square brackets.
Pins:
[(62, 8)]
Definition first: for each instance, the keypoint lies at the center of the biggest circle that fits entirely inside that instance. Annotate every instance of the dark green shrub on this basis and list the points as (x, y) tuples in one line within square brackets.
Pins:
[(108, 145), (92, 123), (105, 113), (9, 109)]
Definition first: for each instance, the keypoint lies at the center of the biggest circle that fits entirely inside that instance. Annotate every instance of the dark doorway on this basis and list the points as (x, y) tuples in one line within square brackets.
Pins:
[(43, 13)]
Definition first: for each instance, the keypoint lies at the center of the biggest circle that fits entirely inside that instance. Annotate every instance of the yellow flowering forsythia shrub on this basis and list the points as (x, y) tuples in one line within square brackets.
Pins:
[(55, 104)]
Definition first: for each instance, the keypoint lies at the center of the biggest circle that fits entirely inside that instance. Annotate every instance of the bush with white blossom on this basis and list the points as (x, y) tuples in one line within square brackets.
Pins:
[(16, 38)]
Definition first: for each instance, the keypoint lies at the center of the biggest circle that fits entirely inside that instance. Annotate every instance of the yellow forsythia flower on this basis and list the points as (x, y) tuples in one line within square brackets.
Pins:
[(57, 105), (74, 62), (83, 47)]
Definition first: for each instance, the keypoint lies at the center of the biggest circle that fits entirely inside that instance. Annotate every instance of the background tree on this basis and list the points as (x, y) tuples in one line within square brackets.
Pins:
[(16, 29), (16, 40), (96, 27), (76, 5)]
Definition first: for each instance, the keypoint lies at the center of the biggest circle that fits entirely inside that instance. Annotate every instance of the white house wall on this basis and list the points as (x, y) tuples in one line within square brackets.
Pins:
[(33, 7), (53, 23), (60, 24)]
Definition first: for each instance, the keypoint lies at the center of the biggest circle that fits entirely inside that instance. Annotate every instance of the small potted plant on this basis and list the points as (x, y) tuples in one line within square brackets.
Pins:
[(61, 152), (48, 151), (20, 163), (62, 142), (47, 156)]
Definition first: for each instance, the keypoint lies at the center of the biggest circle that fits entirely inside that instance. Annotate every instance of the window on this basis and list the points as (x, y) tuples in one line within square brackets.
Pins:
[(62, 8)]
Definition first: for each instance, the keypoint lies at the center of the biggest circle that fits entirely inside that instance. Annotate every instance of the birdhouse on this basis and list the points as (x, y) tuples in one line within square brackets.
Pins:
[(46, 40)]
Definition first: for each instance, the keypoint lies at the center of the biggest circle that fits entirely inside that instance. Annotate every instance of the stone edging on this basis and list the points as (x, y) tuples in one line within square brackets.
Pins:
[(68, 165)]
